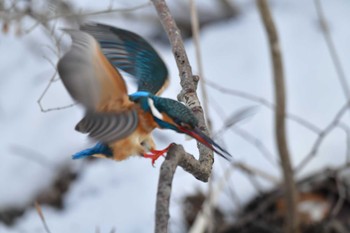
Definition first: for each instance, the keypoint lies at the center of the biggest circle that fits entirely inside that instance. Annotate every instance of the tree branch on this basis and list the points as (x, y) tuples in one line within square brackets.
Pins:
[(292, 221), (166, 176), (321, 136), (188, 93), (332, 50), (201, 169), (197, 46)]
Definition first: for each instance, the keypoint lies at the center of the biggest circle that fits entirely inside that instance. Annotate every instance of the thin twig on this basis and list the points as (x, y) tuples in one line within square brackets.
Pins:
[(42, 217), (291, 195), (41, 97), (256, 172), (346, 128), (203, 221), (197, 46), (84, 14), (196, 39), (267, 154), (332, 50), (247, 136), (321, 137), (342, 197), (301, 121)]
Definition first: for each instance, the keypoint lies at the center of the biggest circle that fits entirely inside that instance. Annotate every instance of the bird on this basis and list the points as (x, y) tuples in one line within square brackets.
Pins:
[(90, 73), (110, 117)]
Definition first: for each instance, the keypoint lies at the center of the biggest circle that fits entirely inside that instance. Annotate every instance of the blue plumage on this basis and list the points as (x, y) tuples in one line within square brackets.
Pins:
[(99, 148), (131, 53)]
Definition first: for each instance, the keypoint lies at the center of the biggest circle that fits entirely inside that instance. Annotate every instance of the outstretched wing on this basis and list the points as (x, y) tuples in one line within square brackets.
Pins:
[(132, 54), (92, 81), (88, 76)]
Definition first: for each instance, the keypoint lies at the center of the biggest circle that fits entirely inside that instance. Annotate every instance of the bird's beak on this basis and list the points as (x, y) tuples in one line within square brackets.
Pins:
[(207, 141)]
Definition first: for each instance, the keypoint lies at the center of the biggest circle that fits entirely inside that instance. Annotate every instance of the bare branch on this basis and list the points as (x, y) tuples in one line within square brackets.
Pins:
[(247, 136), (256, 172), (188, 93), (15, 14), (332, 50), (166, 176), (39, 101), (196, 39), (42, 217), (259, 145), (291, 195), (201, 168), (342, 196), (297, 119), (347, 132), (321, 137)]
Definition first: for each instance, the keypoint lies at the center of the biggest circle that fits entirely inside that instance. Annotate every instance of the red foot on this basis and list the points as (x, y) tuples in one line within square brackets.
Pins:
[(155, 154)]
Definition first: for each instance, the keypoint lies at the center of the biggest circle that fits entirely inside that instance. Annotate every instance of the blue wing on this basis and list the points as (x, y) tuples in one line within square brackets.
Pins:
[(97, 149), (131, 53), (97, 85)]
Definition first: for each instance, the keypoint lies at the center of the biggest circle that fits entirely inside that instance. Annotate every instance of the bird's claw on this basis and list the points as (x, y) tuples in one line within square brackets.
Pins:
[(155, 154)]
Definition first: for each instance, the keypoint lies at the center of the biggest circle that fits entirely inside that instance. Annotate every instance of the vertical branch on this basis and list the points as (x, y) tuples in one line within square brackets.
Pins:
[(331, 47), (188, 82), (201, 168), (197, 46), (196, 40), (166, 176), (292, 222)]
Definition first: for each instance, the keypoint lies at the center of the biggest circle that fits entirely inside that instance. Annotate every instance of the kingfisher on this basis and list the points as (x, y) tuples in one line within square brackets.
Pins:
[(122, 124)]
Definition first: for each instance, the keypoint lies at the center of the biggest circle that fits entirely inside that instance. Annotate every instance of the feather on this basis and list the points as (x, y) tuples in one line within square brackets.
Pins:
[(87, 74), (108, 127), (131, 53)]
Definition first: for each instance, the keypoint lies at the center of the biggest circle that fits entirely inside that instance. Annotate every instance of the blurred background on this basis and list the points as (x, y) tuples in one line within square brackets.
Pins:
[(37, 119)]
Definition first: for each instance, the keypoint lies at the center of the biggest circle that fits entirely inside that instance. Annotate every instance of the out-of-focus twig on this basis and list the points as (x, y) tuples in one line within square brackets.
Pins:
[(342, 196), (42, 217), (291, 195), (197, 46), (235, 118), (259, 145), (15, 14), (244, 134), (301, 121), (332, 50), (256, 172), (321, 137), (346, 128), (202, 221), (40, 99)]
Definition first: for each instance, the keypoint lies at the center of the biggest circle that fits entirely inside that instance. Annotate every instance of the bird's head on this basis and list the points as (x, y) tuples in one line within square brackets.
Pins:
[(174, 115)]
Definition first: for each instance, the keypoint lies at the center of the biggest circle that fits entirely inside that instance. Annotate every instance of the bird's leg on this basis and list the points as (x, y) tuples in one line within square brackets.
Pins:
[(155, 154)]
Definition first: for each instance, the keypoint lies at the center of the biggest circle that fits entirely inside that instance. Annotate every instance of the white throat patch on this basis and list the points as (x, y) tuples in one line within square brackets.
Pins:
[(154, 110)]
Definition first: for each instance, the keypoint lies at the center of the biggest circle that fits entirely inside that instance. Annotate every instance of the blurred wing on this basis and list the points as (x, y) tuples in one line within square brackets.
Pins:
[(108, 127), (132, 54), (88, 76)]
